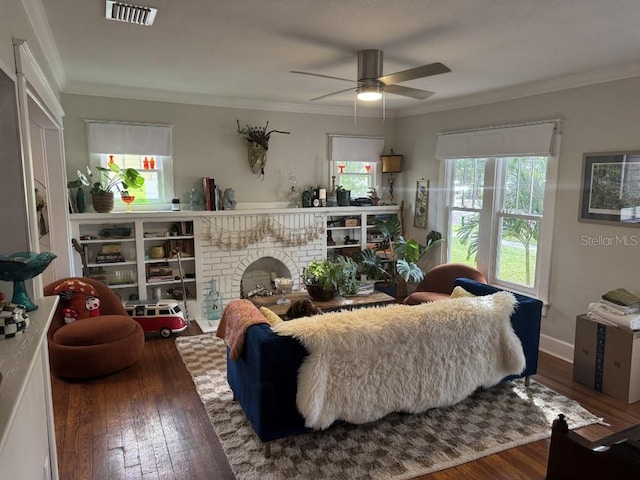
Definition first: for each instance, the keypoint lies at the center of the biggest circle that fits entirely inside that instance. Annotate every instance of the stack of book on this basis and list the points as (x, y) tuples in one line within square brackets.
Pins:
[(111, 253), (212, 194), (160, 273)]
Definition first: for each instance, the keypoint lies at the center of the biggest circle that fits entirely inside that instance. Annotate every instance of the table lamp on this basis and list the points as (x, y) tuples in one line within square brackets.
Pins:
[(391, 164)]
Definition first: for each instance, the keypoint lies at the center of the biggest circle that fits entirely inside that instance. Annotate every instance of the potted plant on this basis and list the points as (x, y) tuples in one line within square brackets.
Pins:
[(325, 278), (102, 190), (394, 261)]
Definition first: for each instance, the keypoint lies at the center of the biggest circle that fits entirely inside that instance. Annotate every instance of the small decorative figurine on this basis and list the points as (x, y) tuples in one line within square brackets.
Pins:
[(229, 199)]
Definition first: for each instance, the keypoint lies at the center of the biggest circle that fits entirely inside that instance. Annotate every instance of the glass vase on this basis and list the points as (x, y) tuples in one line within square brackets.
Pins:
[(212, 303)]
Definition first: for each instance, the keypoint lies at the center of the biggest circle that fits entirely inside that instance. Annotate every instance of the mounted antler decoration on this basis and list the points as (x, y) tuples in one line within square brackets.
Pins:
[(258, 138)]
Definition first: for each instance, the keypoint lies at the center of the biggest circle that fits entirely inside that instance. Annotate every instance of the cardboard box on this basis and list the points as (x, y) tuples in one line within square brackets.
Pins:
[(607, 359)]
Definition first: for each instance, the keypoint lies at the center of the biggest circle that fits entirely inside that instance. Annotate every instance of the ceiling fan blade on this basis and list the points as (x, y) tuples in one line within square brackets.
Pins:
[(322, 76), (334, 93), (408, 92), (413, 73)]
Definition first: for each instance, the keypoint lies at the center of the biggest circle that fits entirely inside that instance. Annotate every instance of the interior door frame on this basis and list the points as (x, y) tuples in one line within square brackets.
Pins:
[(39, 106)]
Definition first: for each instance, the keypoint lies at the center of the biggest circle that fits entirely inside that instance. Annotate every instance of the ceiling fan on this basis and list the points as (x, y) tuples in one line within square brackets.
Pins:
[(371, 83)]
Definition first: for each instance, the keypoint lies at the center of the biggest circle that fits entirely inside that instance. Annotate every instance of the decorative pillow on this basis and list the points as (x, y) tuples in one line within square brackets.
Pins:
[(459, 292), (271, 317), (78, 300)]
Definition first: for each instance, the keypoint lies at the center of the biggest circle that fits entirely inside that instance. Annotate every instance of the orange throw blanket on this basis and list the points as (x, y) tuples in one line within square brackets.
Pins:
[(237, 316)]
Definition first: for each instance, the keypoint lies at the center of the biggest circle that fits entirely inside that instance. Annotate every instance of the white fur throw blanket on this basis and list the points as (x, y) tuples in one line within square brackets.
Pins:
[(364, 364)]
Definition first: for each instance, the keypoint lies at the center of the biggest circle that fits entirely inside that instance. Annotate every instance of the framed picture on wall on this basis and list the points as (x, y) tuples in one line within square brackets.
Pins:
[(422, 204), (611, 189)]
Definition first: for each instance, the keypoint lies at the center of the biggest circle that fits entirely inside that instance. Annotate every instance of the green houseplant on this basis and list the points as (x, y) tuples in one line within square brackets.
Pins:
[(325, 278), (101, 191), (395, 260)]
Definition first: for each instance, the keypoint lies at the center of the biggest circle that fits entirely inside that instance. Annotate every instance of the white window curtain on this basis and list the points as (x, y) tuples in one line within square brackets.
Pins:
[(129, 138), (356, 149), (519, 140)]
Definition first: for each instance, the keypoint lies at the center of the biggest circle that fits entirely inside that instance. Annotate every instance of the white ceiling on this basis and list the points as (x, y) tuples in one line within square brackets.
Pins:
[(239, 52)]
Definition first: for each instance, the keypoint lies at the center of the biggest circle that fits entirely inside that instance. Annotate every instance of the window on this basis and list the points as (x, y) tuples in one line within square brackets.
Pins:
[(358, 177), (518, 183), (499, 210), (156, 171), (355, 163), (147, 148)]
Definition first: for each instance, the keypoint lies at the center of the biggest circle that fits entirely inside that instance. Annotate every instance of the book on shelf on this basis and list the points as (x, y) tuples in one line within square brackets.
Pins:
[(185, 228), (159, 278), (109, 257), (160, 270), (212, 194), (206, 186)]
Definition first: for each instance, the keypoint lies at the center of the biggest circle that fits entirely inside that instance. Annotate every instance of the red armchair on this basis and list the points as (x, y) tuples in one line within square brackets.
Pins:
[(438, 282), (94, 346)]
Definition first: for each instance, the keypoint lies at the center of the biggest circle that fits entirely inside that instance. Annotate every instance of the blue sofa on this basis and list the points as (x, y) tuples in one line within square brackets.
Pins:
[(264, 378)]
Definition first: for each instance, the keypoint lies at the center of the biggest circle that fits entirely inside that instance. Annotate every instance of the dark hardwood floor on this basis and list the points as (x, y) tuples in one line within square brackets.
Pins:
[(147, 422)]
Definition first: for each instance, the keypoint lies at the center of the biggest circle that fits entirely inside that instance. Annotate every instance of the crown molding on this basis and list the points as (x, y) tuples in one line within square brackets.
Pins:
[(34, 10), (526, 90), (484, 98), (168, 96), (27, 66)]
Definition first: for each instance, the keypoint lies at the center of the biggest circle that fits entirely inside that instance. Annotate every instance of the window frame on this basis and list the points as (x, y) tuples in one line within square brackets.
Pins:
[(371, 147), (373, 176), (492, 212), (165, 179), (119, 138)]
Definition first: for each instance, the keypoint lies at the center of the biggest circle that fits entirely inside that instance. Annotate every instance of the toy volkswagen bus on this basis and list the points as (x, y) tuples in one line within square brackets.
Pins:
[(161, 316)]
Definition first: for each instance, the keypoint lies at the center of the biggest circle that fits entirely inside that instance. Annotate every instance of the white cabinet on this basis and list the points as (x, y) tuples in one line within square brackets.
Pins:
[(137, 254), (27, 432)]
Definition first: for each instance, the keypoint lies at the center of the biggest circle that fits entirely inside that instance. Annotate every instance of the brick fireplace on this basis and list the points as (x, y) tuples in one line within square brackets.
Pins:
[(283, 242)]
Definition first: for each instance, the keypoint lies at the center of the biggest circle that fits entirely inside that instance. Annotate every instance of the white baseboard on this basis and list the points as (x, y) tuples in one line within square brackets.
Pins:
[(556, 347)]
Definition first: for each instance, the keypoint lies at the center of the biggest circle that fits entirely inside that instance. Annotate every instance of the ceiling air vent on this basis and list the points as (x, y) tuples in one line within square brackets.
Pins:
[(124, 12)]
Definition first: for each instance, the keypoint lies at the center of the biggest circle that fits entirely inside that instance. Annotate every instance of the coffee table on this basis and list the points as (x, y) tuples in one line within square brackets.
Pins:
[(336, 303)]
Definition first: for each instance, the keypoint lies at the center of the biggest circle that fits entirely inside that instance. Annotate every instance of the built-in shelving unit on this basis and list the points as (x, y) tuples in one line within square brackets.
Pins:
[(350, 232), (137, 255), (150, 234)]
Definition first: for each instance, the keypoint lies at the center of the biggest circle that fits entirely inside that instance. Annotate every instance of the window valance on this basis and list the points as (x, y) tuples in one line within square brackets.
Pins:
[(356, 149), (519, 140), (129, 138)]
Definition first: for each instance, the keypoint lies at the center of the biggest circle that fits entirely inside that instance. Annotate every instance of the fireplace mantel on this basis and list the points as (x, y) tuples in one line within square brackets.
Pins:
[(227, 242)]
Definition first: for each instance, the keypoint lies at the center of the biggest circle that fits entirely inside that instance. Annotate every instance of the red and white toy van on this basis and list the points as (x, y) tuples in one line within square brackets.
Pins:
[(162, 316)]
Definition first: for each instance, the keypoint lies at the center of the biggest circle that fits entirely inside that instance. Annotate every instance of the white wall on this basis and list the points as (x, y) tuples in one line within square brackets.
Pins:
[(597, 118), (205, 143)]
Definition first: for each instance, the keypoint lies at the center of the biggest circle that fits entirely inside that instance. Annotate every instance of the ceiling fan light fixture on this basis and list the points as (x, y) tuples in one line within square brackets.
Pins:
[(369, 93)]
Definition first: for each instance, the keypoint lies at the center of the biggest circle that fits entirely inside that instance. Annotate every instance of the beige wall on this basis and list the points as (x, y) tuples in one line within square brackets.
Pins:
[(205, 142), (597, 118)]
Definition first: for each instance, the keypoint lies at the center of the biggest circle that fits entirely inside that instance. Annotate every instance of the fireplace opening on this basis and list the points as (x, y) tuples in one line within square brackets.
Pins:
[(258, 278)]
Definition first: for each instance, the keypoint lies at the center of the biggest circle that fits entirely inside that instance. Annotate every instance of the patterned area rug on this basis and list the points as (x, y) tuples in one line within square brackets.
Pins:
[(399, 446)]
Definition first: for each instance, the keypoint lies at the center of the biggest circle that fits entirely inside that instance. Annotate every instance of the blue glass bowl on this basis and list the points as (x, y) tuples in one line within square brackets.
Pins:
[(22, 266)]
